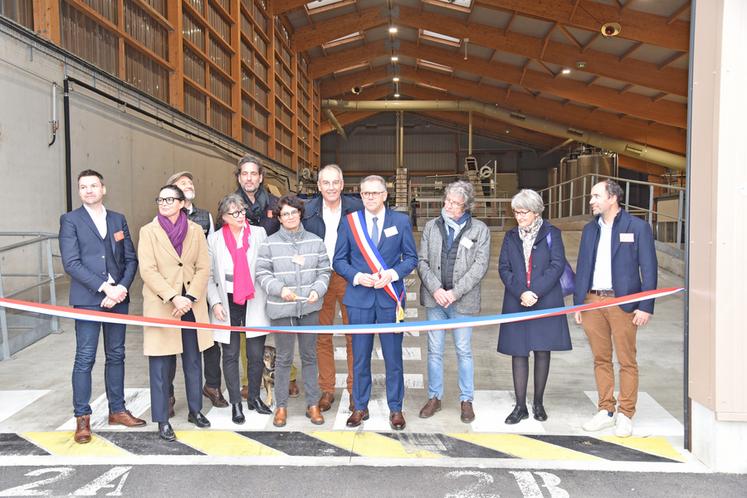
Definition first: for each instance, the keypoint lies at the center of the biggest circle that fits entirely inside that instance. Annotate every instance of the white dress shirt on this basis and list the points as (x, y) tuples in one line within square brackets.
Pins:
[(99, 219), (602, 279), (331, 219)]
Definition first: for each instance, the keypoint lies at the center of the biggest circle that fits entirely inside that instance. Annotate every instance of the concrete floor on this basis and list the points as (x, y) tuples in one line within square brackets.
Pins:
[(46, 365)]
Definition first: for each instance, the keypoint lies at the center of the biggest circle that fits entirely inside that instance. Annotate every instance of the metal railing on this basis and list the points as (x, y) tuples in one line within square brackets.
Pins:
[(571, 198), (32, 275), (493, 211)]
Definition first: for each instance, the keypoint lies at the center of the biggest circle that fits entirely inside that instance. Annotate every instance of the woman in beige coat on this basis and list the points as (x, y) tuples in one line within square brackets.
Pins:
[(175, 268)]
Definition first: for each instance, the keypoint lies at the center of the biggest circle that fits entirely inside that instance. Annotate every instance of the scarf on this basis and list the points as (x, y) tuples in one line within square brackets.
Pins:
[(175, 231), (256, 210), (453, 227), (243, 286), (527, 236)]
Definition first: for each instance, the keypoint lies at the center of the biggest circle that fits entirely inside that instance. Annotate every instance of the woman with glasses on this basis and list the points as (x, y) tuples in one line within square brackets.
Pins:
[(453, 259), (293, 269), (175, 268), (235, 300), (531, 263)]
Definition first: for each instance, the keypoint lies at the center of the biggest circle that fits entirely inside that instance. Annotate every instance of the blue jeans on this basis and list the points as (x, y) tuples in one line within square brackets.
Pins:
[(86, 344), (463, 346)]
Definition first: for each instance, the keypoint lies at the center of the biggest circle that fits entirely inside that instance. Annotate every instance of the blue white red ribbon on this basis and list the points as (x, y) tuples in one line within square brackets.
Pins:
[(421, 326)]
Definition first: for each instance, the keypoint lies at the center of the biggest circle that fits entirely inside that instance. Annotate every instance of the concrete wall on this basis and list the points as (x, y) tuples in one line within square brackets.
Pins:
[(135, 154)]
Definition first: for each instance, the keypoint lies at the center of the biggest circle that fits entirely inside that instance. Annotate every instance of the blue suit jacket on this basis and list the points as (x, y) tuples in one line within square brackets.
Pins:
[(83, 255), (634, 265), (398, 250)]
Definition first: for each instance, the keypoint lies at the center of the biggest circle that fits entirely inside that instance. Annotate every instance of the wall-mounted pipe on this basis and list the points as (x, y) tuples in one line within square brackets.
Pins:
[(68, 151), (469, 131), (333, 120), (630, 149), (54, 123)]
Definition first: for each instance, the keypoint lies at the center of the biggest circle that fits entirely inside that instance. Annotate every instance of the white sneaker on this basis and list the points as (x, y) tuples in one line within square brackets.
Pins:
[(623, 426), (602, 420)]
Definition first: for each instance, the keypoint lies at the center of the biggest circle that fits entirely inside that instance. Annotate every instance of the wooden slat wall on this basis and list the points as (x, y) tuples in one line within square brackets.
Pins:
[(226, 63)]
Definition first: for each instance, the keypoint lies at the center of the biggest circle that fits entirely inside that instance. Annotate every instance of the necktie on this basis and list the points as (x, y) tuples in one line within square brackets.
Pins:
[(375, 231)]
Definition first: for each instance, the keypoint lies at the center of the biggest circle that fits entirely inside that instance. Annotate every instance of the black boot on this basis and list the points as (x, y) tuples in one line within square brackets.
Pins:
[(539, 413), (166, 432), (519, 414), (259, 405), (237, 413), (198, 419)]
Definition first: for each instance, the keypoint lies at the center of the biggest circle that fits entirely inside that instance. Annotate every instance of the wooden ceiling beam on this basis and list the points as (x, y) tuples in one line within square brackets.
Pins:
[(322, 66), (278, 7), (314, 35), (636, 25), (339, 86), (677, 13), (634, 130), (345, 118), (665, 112), (670, 80)]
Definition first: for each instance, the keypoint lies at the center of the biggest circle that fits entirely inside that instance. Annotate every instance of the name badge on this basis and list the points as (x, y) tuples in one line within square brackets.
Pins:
[(627, 237), (390, 232), (298, 259), (466, 242), (119, 236)]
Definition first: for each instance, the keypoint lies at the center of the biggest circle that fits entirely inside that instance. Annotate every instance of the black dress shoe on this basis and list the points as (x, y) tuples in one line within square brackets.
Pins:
[(198, 419), (166, 432), (539, 413), (259, 405), (237, 414), (519, 414)]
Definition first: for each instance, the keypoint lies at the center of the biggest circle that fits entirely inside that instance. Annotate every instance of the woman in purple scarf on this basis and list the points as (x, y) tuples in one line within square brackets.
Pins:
[(175, 268)]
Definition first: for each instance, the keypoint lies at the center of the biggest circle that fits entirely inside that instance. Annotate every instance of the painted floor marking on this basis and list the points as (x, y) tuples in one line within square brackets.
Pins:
[(61, 443), (148, 443), (220, 418), (136, 400), (12, 402), (378, 414), (378, 380), (651, 419), (600, 448), (408, 354), (224, 443), (13, 444), (492, 408), (659, 446), (445, 445), (295, 443), (371, 444), (523, 447)]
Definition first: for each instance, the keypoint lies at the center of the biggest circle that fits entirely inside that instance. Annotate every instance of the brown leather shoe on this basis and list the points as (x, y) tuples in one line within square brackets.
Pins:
[(293, 390), (397, 421), (325, 402), (82, 429), (215, 396), (468, 413), (351, 406), (357, 417), (172, 402), (125, 418), (431, 407), (245, 392), (281, 415), (315, 415)]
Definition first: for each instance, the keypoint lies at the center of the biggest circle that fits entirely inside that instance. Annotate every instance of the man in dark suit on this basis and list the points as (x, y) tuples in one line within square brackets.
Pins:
[(375, 251), (322, 216), (616, 257), (99, 256)]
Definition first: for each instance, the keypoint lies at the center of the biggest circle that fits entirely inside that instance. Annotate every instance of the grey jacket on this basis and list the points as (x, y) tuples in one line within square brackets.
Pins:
[(297, 260), (469, 269)]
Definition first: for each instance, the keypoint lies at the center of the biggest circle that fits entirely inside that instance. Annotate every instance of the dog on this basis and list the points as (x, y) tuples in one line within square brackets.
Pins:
[(268, 373)]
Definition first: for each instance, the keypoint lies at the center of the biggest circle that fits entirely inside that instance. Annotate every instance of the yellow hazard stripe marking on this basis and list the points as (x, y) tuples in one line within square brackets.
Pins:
[(658, 446), (524, 447), (224, 443), (61, 443), (370, 444)]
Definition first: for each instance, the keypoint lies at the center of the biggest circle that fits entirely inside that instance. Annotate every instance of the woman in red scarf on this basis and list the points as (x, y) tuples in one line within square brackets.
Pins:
[(235, 300), (175, 268)]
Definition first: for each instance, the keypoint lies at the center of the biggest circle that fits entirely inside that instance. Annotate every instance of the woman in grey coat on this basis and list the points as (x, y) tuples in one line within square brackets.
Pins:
[(452, 261), (293, 269)]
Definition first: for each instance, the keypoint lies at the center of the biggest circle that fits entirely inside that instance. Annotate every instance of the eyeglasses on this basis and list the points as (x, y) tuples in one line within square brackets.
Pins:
[(167, 200), (453, 203), (289, 214), (371, 195), (237, 214), (518, 213)]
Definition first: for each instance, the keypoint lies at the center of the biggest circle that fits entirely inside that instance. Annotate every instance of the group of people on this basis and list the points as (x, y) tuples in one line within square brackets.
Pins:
[(287, 262)]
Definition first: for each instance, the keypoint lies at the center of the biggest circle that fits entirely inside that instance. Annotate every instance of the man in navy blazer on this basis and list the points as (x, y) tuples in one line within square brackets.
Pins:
[(367, 301), (616, 257), (98, 254)]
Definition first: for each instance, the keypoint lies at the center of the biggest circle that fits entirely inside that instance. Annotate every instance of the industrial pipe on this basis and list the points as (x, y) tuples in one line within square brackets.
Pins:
[(630, 149), (336, 123)]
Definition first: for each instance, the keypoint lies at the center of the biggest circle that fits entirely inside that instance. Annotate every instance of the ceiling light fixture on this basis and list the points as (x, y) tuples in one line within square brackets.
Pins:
[(396, 95), (395, 79), (580, 64), (395, 58), (565, 70), (392, 30)]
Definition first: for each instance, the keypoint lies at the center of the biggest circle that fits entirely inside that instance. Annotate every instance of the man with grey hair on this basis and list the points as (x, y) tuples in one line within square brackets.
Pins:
[(375, 251), (322, 216), (452, 262), (185, 181), (616, 257)]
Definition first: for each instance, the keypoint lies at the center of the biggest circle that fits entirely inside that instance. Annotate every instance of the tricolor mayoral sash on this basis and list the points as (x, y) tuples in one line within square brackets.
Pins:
[(371, 254)]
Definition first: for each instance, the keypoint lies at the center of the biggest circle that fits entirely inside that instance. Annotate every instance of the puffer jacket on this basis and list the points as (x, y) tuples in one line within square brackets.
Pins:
[(297, 260)]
